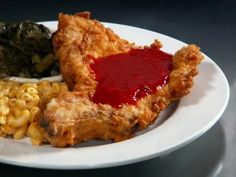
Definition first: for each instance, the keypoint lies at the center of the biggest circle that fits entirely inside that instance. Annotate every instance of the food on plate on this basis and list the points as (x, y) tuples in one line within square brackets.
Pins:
[(26, 50), (20, 108), (84, 47)]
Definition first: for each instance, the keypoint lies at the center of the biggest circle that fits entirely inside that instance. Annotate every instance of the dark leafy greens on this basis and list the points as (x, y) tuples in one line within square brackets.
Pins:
[(26, 50)]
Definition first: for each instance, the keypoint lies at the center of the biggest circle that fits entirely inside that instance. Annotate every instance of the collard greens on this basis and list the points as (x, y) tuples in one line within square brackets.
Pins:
[(26, 50)]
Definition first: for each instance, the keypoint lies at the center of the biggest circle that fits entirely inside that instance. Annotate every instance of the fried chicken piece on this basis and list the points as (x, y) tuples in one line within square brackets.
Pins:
[(71, 117), (78, 37)]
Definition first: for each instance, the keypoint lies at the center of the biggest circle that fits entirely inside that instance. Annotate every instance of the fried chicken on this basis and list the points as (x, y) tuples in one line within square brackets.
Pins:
[(78, 37), (72, 117)]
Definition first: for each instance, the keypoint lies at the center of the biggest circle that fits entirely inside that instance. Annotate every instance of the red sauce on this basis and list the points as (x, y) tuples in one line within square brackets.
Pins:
[(127, 77)]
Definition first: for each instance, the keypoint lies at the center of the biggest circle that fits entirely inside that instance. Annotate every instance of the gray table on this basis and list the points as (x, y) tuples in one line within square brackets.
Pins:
[(210, 24)]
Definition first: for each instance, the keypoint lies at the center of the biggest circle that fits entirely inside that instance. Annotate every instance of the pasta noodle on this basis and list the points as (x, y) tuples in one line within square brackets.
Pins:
[(20, 108)]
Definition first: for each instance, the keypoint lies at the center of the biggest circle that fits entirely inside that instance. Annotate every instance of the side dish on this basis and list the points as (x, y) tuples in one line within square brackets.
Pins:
[(21, 107), (26, 50)]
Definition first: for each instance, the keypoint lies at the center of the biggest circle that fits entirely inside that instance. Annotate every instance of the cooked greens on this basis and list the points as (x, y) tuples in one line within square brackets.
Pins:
[(26, 50)]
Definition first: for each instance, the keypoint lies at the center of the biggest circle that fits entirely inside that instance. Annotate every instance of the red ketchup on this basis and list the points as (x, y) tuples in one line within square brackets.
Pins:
[(127, 77)]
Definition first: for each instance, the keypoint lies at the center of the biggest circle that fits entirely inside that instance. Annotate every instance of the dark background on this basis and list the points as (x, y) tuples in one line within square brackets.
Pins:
[(210, 24)]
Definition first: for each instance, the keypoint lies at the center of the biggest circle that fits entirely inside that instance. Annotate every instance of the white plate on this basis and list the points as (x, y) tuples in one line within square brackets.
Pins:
[(57, 78), (187, 120)]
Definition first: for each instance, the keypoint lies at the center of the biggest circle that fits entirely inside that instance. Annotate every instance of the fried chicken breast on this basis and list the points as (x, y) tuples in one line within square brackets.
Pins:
[(72, 117)]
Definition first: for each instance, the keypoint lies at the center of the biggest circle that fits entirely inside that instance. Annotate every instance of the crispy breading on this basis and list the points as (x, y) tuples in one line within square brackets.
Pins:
[(78, 37), (72, 117)]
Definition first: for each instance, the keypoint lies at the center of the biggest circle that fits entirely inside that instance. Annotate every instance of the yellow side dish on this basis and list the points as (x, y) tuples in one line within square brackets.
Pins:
[(20, 108)]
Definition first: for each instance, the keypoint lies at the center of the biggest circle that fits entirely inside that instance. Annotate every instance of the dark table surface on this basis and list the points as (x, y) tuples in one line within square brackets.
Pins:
[(209, 24)]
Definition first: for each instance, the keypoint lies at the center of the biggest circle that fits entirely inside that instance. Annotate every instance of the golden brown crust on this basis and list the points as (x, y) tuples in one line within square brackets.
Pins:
[(72, 118), (76, 38)]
